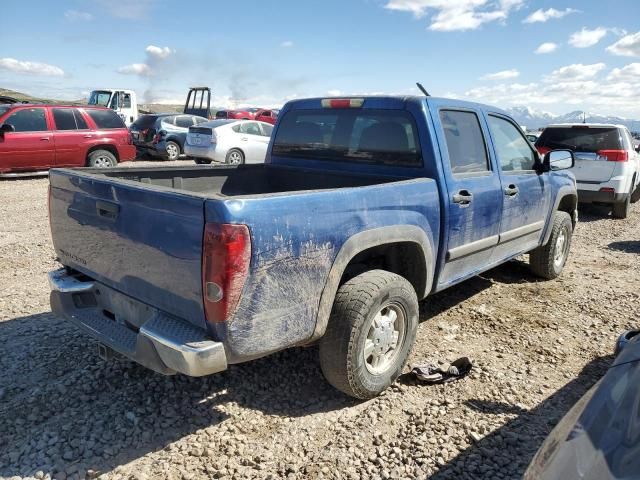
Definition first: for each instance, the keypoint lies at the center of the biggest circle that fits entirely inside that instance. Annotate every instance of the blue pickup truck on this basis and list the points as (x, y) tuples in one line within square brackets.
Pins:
[(364, 207)]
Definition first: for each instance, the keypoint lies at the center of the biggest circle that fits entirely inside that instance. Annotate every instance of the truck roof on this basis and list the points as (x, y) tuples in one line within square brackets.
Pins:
[(580, 124), (298, 103)]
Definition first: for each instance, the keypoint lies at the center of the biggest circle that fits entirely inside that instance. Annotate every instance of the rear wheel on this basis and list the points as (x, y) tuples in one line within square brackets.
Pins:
[(101, 159), (621, 209), (547, 261), (173, 150), (235, 157), (371, 331)]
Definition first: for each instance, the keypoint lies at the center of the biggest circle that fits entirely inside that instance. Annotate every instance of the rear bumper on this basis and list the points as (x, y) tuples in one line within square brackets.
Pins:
[(154, 339), (596, 196), (127, 153)]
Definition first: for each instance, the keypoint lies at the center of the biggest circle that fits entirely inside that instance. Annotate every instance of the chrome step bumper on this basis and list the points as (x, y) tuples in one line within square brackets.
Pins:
[(160, 342)]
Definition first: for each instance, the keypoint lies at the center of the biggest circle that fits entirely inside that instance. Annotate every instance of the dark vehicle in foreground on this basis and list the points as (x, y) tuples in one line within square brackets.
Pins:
[(40, 137), (162, 135), (599, 439), (364, 207)]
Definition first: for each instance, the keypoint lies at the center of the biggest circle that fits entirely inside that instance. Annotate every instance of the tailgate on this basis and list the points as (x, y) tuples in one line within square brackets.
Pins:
[(592, 167), (141, 241)]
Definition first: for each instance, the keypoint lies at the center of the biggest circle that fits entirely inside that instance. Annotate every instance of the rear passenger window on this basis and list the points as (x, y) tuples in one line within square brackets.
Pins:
[(106, 118), (28, 120), (184, 121), (514, 151), (64, 119), (80, 121), (465, 142)]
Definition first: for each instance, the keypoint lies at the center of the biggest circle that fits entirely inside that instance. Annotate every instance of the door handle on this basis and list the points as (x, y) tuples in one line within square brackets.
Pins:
[(463, 197), (88, 136), (45, 139), (107, 209), (511, 191), (244, 139)]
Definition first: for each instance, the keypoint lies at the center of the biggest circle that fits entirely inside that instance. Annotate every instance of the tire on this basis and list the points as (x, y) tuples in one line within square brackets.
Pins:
[(173, 151), (234, 157), (352, 331), (202, 161), (621, 210), (547, 261), (101, 159)]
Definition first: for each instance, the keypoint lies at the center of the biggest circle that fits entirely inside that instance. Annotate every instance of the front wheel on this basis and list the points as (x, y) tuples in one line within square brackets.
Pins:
[(371, 331), (173, 151), (547, 261)]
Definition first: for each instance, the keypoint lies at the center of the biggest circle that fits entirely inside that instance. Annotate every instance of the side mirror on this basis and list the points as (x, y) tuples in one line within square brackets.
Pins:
[(558, 160), (7, 128), (638, 148)]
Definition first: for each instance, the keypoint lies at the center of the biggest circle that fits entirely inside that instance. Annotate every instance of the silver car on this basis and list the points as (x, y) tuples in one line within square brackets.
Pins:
[(233, 142)]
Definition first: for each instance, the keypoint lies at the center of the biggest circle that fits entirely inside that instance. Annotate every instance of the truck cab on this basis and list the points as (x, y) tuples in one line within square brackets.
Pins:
[(123, 102)]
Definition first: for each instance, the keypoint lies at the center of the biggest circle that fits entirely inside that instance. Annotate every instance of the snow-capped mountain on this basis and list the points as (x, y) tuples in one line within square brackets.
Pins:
[(535, 119)]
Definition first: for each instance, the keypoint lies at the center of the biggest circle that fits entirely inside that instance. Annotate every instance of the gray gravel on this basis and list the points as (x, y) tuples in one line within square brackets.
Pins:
[(64, 413)]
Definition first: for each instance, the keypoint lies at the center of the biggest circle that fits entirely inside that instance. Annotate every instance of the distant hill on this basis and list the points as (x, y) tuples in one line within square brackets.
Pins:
[(534, 119), (23, 97)]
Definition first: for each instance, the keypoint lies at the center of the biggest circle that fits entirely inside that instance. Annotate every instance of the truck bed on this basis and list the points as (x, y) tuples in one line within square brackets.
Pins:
[(246, 180)]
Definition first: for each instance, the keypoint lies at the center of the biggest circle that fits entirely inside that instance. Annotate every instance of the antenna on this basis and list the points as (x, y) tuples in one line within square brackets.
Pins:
[(584, 117), (422, 89)]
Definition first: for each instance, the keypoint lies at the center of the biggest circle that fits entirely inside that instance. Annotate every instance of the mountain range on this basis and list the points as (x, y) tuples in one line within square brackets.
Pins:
[(534, 119)]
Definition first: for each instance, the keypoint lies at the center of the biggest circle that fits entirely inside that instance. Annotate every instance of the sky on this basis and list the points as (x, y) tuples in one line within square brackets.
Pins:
[(551, 55)]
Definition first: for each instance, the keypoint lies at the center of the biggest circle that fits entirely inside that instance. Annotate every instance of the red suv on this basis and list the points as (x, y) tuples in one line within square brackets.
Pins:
[(39, 137)]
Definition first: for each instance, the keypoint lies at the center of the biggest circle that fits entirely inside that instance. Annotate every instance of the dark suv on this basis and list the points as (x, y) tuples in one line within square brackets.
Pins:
[(162, 135)]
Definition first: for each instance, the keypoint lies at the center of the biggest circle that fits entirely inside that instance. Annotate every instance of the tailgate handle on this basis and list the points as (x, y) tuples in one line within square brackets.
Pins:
[(107, 209)]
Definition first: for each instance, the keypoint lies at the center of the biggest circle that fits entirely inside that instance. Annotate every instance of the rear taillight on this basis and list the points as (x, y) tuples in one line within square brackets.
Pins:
[(225, 265), (614, 155), (342, 102)]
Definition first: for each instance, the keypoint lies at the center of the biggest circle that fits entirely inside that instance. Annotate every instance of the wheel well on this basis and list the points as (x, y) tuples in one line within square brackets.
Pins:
[(108, 148), (568, 204), (403, 258)]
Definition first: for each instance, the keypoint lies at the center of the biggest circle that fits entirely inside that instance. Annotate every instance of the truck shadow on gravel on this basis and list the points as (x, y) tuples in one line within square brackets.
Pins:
[(64, 409), (627, 246), (512, 446)]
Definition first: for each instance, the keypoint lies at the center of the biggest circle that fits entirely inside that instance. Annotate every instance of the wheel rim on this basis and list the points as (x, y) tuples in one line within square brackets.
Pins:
[(102, 162), (385, 337), (235, 158), (172, 151), (562, 245)]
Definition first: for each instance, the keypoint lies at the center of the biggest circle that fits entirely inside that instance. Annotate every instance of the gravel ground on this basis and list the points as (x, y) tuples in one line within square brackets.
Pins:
[(64, 413)]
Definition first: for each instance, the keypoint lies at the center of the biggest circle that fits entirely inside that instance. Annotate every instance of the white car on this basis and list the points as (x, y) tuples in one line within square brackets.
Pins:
[(233, 142), (607, 165)]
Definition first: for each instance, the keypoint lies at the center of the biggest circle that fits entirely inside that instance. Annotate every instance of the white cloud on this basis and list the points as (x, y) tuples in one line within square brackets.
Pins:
[(503, 75), (158, 52), (627, 46), (141, 69), (577, 71), (628, 73), (544, 15), (155, 57), (76, 15), (126, 9), (587, 38), (547, 47), (452, 15), (30, 68), (287, 44), (334, 93)]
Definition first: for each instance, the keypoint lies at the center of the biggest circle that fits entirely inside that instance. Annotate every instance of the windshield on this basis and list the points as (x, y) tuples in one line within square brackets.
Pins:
[(100, 97), (350, 135), (581, 139)]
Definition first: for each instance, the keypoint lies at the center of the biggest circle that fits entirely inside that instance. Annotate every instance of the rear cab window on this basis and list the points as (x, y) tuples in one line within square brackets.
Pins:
[(581, 138), (106, 119), (465, 143), (387, 137)]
